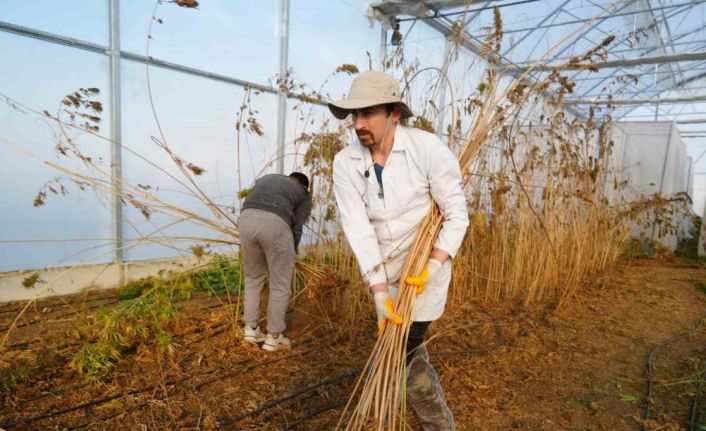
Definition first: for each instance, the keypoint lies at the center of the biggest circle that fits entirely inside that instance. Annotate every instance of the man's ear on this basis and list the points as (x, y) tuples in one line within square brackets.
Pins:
[(396, 114)]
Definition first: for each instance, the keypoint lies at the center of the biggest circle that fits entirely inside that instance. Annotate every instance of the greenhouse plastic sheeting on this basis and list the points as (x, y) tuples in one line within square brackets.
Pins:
[(652, 156)]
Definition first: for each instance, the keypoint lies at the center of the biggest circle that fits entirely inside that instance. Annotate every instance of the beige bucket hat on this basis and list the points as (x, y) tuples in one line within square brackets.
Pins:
[(370, 89)]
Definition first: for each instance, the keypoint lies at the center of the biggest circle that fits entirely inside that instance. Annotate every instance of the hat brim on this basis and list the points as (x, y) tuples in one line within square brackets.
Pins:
[(342, 108)]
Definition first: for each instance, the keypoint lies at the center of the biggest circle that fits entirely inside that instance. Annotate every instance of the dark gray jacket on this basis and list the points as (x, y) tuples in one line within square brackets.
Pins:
[(284, 196)]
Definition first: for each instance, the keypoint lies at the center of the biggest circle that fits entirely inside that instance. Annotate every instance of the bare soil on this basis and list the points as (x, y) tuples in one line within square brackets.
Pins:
[(581, 367)]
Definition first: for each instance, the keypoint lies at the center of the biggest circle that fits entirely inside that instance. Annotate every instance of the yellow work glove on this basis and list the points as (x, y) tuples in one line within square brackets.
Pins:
[(428, 274), (385, 310)]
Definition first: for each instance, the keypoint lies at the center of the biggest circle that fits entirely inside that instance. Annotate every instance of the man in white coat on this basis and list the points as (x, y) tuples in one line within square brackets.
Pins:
[(384, 185)]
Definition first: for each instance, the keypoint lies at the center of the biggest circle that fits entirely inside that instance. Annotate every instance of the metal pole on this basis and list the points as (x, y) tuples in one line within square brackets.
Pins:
[(116, 158), (383, 45), (282, 95), (441, 102)]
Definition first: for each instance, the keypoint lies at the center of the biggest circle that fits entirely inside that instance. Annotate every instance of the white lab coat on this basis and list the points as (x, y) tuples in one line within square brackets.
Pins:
[(381, 230)]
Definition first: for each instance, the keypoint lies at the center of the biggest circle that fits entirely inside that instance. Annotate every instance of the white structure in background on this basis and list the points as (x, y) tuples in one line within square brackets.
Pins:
[(702, 238), (652, 156)]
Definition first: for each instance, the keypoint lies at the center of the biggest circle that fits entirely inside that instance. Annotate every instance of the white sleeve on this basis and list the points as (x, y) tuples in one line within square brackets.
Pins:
[(356, 225), (446, 189)]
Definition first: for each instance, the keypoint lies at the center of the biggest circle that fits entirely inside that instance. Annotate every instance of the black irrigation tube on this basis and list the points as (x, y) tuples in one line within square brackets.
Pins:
[(293, 395), (38, 319), (219, 328), (25, 344), (114, 300), (170, 382), (112, 415), (499, 342), (63, 304), (259, 364), (116, 413), (320, 410), (216, 329), (273, 403), (653, 353), (693, 414)]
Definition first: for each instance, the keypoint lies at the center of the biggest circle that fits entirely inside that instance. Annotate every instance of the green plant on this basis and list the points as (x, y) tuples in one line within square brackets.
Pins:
[(135, 288), (140, 319), (31, 281), (23, 369), (634, 249), (221, 275), (14, 375), (689, 247), (629, 398), (92, 359)]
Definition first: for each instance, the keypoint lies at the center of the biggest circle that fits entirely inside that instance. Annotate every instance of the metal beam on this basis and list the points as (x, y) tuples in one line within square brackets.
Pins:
[(612, 74), (613, 15), (477, 49), (546, 18), (638, 89), (419, 8), (628, 62), (105, 50), (593, 25), (619, 51), (116, 156), (626, 38), (669, 35), (695, 67), (654, 33), (441, 100), (665, 115), (647, 88), (661, 101), (690, 80), (383, 46), (415, 8), (694, 121), (283, 76)]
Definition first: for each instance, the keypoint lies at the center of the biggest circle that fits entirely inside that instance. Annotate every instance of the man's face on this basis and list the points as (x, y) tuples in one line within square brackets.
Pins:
[(369, 124)]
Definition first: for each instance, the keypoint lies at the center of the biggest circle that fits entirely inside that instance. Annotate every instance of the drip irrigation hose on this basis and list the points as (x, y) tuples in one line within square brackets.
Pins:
[(217, 329), (317, 412), (172, 381), (650, 358), (293, 395), (61, 316), (693, 416), (332, 380), (226, 422), (81, 301)]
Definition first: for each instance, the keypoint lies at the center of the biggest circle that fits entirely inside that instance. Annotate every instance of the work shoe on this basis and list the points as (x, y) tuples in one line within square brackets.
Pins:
[(272, 344), (253, 336)]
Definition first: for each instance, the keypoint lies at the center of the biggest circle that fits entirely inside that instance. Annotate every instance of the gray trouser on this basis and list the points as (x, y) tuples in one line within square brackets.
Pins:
[(425, 396), (267, 243)]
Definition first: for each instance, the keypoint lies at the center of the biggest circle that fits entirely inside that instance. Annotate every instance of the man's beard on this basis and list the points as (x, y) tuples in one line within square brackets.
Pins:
[(368, 142)]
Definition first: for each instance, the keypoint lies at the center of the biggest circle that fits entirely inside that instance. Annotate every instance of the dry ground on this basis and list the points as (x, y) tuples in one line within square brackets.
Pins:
[(582, 367)]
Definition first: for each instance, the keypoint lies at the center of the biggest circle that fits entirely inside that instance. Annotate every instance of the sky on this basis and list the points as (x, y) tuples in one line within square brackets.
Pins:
[(197, 115)]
